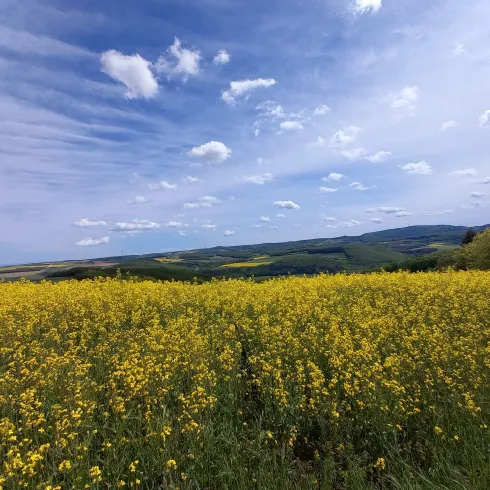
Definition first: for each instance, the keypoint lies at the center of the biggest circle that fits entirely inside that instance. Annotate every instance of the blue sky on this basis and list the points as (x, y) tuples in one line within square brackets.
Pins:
[(158, 125)]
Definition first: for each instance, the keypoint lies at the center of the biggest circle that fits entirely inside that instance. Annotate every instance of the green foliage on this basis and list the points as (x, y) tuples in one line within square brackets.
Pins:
[(469, 236), (476, 255)]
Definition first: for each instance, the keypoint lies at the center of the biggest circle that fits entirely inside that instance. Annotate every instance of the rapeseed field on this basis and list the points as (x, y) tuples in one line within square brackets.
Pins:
[(331, 382)]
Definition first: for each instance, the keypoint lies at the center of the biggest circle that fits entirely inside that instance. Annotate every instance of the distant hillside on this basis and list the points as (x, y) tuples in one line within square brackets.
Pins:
[(351, 254)]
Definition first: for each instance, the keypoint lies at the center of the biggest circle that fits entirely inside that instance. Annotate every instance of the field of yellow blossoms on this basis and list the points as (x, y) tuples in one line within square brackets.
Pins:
[(331, 382)]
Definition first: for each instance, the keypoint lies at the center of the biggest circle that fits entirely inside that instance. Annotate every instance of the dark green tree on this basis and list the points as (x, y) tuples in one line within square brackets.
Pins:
[(469, 236)]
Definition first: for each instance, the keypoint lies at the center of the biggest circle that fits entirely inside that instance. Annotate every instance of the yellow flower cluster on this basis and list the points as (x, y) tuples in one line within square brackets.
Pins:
[(113, 382)]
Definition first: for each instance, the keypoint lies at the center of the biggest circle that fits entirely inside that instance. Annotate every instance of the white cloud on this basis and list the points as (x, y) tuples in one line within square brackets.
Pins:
[(229, 233), (132, 71), (91, 242), (362, 6), (258, 179), (484, 120), (222, 57), (162, 185), (209, 227), (385, 210), (402, 214), (291, 126), (330, 226), (419, 168), (321, 110), (448, 125), (256, 225), (212, 152), (280, 215), (465, 172), (190, 180), (256, 132), (486, 180), (353, 154), (138, 200), (181, 233), (379, 157), (406, 99), (376, 221), (329, 218), (349, 224), (264, 219), (459, 50), (175, 224), (333, 177), (327, 189), (244, 87), (358, 186), (183, 62), (273, 227), (318, 142), (271, 109), (202, 202), (345, 136), (471, 205), (136, 224), (477, 194), (286, 205), (87, 223)]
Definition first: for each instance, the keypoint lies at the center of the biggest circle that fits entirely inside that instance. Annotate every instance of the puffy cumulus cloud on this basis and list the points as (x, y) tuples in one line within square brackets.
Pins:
[(202, 202), (363, 6), (258, 179), (271, 109), (92, 242), (385, 210), (245, 87), (138, 200), (402, 214), (376, 221), (406, 99), (447, 125), (181, 62), (87, 223), (136, 225), (345, 136), (264, 219), (379, 157), (353, 154), (349, 224), (273, 227), (222, 57), (280, 215), (286, 205), (329, 219), (190, 180), (212, 152), (327, 189), (477, 194), (333, 177), (486, 180), (358, 186), (484, 120), (291, 126), (418, 168), (209, 227), (163, 185), (229, 233), (459, 50), (321, 110), (132, 71), (464, 172)]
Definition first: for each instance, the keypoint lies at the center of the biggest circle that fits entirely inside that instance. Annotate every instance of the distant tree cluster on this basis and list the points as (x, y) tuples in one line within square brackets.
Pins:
[(473, 254)]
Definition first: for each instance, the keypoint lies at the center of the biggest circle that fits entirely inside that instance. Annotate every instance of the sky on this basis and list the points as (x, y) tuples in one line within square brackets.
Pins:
[(155, 125)]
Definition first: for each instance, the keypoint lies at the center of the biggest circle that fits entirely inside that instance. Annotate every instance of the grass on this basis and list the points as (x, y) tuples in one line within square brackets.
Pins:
[(171, 260), (256, 262)]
